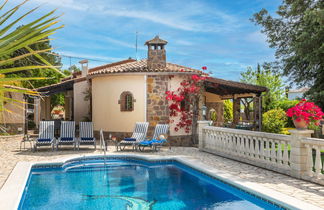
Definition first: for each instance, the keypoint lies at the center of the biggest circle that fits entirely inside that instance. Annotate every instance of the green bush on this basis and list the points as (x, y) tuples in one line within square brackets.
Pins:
[(285, 105), (228, 111), (274, 121)]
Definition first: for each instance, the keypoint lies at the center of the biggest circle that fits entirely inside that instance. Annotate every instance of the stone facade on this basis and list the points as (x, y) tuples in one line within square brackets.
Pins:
[(156, 58), (184, 141), (156, 54), (157, 105), (118, 135)]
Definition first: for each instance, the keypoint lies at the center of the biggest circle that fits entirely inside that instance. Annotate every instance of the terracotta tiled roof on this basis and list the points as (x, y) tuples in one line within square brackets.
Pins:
[(111, 65), (140, 66)]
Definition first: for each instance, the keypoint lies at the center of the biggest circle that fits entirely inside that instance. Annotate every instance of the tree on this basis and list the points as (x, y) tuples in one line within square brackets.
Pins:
[(185, 104), (21, 39), (265, 77), (228, 111), (52, 58), (53, 77), (74, 68), (297, 34)]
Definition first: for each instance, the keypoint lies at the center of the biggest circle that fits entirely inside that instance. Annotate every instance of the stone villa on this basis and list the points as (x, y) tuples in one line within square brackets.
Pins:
[(116, 95)]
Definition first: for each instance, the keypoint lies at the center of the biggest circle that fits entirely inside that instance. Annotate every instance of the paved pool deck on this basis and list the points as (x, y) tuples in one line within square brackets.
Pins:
[(299, 189)]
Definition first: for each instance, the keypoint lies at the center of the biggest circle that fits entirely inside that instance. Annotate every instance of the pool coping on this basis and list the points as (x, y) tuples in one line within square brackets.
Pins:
[(12, 190)]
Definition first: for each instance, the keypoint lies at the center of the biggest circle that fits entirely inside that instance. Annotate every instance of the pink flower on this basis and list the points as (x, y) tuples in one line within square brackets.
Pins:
[(307, 111)]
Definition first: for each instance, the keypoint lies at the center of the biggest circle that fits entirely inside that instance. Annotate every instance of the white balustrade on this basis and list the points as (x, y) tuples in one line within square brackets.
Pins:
[(294, 155), (262, 149), (314, 163)]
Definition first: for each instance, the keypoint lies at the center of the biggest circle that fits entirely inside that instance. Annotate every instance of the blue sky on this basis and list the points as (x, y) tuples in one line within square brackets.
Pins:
[(216, 33)]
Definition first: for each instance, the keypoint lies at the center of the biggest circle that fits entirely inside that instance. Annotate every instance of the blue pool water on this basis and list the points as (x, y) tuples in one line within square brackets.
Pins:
[(131, 184)]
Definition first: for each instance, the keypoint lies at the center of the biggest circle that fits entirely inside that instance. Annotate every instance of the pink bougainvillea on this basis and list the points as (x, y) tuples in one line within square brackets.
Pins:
[(185, 96), (307, 111)]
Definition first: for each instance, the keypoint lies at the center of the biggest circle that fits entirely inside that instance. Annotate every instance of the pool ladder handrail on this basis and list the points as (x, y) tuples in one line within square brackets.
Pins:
[(102, 142), (103, 145)]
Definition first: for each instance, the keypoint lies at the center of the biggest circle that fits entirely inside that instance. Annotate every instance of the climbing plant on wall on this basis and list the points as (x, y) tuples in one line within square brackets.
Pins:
[(184, 103)]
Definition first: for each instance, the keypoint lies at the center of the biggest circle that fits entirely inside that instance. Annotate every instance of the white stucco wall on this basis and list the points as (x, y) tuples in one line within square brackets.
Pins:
[(81, 107), (174, 84), (15, 113), (295, 95), (106, 112)]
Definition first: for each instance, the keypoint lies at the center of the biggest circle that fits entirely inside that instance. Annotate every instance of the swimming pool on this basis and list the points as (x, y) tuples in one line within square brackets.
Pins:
[(131, 183)]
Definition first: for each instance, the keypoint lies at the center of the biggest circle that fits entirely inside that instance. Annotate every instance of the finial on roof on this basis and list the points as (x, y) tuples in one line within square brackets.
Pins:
[(156, 40)]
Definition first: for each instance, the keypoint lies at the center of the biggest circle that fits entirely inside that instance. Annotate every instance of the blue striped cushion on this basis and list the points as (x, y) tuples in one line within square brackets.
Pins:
[(146, 142), (86, 138), (66, 139), (158, 141), (42, 140), (129, 139)]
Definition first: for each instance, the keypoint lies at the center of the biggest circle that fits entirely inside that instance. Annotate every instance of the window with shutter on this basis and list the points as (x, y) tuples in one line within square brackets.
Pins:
[(126, 101)]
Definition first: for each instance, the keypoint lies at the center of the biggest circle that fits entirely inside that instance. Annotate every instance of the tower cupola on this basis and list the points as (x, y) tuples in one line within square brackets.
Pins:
[(156, 54)]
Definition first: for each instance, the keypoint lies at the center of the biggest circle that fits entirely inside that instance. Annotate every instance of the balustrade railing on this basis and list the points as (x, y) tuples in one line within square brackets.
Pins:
[(263, 149), (315, 159), (293, 155)]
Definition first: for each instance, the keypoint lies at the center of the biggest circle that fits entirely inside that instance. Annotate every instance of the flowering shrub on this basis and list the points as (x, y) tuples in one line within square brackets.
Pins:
[(186, 96), (274, 121), (307, 111)]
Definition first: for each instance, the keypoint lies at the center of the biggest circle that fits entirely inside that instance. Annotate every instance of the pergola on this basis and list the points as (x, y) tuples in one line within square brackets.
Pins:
[(237, 91), (65, 86)]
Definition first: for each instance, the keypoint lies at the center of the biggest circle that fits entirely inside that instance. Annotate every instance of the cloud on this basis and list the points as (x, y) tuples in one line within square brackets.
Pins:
[(181, 16), (200, 32)]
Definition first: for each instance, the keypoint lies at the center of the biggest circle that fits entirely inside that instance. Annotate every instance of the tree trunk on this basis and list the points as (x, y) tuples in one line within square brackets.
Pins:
[(195, 111)]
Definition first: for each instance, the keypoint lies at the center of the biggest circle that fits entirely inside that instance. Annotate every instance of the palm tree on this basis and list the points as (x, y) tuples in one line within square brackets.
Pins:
[(13, 38)]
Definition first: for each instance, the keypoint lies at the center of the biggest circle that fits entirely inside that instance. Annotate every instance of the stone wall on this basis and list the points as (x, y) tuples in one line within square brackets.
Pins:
[(156, 59), (183, 140), (119, 135), (12, 128), (157, 105)]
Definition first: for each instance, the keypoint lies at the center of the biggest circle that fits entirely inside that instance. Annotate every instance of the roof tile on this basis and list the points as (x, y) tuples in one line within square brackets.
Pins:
[(140, 66)]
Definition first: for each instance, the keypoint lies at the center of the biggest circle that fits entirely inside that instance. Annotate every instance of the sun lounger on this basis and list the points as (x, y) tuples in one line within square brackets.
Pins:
[(46, 135), (67, 134), (86, 134), (155, 143), (139, 135)]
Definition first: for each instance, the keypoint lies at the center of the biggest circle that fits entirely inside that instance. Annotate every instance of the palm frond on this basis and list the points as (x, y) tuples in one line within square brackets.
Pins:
[(13, 39), (23, 68)]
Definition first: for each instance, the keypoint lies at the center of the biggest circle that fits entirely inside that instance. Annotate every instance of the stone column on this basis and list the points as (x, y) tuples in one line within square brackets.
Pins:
[(45, 112), (68, 105), (257, 112), (201, 136), (236, 111), (37, 111), (298, 153)]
